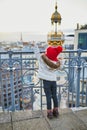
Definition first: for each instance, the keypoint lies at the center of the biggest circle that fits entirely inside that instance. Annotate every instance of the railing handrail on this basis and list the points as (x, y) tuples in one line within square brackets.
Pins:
[(74, 64)]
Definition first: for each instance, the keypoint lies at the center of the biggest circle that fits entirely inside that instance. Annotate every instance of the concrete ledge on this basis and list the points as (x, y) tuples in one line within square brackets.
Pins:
[(37, 120), (5, 117)]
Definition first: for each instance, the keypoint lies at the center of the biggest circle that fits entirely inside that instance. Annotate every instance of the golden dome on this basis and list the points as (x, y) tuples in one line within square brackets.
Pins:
[(56, 17), (55, 34), (54, 38)]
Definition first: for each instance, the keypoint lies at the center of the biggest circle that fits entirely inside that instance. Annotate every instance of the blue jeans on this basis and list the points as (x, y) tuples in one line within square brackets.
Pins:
[(50, 89)]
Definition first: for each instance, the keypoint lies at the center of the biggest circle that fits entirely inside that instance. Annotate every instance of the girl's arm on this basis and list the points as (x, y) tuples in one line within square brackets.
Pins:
[(48, 62), (36, 50)]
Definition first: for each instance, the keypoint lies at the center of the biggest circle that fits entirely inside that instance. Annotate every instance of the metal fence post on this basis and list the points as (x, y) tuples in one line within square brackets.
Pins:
[(78, 77), (11, 80), (41, 93)]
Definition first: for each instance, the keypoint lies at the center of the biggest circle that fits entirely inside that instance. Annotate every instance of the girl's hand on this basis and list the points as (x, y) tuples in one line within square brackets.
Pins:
[(33, 43)]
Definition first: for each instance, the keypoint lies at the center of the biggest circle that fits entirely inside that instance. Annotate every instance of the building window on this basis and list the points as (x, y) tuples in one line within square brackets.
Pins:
[(82, 41)]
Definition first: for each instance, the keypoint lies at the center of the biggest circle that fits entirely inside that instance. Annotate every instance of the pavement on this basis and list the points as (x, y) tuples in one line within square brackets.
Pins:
[(37, 120)]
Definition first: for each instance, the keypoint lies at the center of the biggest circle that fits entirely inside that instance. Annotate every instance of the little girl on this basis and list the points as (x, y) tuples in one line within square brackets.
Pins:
[(48, 65)]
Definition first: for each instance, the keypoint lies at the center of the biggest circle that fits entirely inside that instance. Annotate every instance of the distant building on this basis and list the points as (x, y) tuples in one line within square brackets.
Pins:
[(6, 89), (81, 37)]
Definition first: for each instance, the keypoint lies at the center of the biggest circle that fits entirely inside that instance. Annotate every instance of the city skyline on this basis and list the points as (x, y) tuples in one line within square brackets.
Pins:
[(34, 16)]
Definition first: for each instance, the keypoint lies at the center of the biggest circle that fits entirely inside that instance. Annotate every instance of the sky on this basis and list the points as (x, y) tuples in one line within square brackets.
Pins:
[(34, 15)]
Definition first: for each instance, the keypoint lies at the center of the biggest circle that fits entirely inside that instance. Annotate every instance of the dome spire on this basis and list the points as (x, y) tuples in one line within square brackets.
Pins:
[(56, 6)]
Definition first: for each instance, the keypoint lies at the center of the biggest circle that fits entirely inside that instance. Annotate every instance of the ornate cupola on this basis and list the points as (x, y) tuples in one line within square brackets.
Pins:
[(55, 37), (56, 17)]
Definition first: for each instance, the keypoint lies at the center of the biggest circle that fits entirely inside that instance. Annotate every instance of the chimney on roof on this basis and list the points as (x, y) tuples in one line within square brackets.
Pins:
[(77, 26)]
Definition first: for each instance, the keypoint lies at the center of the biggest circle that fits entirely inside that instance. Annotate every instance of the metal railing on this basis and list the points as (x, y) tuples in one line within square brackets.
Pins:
[(20, 87)]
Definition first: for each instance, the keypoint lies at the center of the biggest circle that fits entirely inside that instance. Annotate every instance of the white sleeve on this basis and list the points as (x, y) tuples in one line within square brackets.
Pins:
[(36, 51), (62, 60), (61, 56)]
